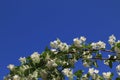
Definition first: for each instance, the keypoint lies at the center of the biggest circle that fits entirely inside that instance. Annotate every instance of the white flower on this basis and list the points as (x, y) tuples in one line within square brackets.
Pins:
[(107, 75), (84, 77), (35, 57), (11, 66), (98, 45), (68, 72), (51, 63), (55, 43), (111, 40), (22, 60), (93, 71), (118, 73), (78, 42), (64, 62), (112, 37), (35, 74), (94, 45), (54, 51), (63, 47), (117, 50), (101, 44), (82, 38), (86, 64), (24, 67), (16, 77), (87, 55), (43, 74), (118, 68), (106, 62), (96, 71), (59, 45), (109, 56)]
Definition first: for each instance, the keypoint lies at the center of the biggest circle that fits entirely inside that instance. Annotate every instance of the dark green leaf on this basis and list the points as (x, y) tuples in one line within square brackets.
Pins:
[(118, 78), (79, 73), (110, 64), (95, 64)]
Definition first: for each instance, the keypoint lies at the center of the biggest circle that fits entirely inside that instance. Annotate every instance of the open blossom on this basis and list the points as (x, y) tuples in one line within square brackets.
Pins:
[(106, 62), (16, 77), (22, 60), (11, 66), (67, 72), (118, 67), (78, 42), (82, 38), (35, 74), (98, 45), (54, 51), (51, 63), (63, 47), (117, 50), (86, 64), (93, 71), (118, 74), (57, 44), (43, 74), (24, 67), (107, 75), (111, 40), (94, 45), (87, 55), (35, 57), (84, 77)]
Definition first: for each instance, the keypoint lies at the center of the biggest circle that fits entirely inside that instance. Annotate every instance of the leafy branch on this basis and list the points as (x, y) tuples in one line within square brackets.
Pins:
[(58, 61)]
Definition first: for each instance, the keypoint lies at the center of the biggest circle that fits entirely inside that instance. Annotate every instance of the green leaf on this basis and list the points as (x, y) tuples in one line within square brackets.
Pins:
[(112, 58), (118, 78), (79, 73), (99, 56), (110, 64), (47, 49), (113, 48), (95, 64), (112, 75), (118, 45)]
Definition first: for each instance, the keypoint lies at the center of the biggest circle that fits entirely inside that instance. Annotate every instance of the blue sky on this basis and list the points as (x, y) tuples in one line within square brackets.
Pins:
[(27, 26)]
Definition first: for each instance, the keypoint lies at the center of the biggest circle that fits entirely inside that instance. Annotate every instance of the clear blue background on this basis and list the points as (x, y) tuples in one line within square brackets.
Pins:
[(29, 25)]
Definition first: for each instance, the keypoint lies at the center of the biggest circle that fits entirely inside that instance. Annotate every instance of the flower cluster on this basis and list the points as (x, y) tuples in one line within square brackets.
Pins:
[(22, 60), (35, 57), (94, 74), (98, 45), (51, 63), (60, 59), (57, 44), (118, 69), (112, 40), (79, 41), (11, 66), (87, 55), (68, 72), (107, 75)]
